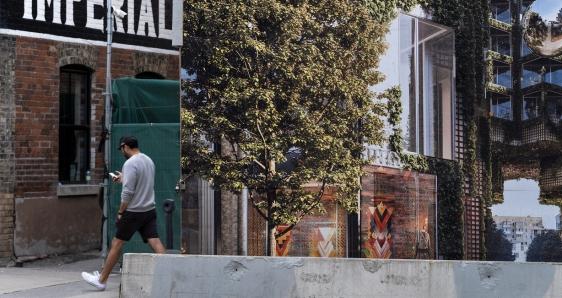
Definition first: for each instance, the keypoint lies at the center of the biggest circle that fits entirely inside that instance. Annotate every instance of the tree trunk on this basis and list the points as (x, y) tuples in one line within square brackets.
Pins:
[(271, 199), (272, 243)]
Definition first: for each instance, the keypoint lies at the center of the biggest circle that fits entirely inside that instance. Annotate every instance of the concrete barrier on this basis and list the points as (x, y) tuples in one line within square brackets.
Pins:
[(151, 275)]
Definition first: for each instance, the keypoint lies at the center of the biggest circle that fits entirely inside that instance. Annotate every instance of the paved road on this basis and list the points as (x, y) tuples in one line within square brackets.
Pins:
[(56, 276)]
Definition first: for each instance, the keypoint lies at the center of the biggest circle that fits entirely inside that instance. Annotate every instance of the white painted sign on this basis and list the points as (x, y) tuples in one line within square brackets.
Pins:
[(141, 22)]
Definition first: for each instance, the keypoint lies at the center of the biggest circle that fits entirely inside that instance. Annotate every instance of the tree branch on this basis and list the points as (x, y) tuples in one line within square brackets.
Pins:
[(277, 235), (260, 212)]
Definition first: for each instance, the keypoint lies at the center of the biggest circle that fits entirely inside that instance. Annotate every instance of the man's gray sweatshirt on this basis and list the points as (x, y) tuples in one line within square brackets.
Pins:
[(138, 183)]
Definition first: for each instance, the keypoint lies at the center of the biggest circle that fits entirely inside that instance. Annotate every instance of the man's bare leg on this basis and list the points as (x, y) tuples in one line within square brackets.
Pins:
[(112, 259), (156, 245)]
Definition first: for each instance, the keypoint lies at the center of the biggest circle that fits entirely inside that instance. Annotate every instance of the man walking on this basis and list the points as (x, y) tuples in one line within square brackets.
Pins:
[(137, 210)]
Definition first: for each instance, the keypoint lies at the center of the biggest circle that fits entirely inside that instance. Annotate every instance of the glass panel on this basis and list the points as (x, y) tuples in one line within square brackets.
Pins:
[(501, 106), (72, 154), (408, 82), (500, 11), (531, 76), (73, 99), (554, 106), (502, 74), (546, 70), (525, 4), (525, 49), (553, 73), (500, 42), (425, 71), (73, 126), (438, 98), (531, 106), (427, 31), (424, 104)]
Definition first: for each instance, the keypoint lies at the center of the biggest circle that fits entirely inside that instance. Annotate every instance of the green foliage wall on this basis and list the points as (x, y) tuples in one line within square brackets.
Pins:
[(469, 19)]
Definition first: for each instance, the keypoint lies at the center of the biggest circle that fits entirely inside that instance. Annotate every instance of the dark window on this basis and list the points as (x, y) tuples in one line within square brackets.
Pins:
[(74, 124), (531, 104), (149, 75)]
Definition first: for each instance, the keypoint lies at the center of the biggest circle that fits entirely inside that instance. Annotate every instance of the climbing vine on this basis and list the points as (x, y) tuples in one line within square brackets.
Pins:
[(411, 161)]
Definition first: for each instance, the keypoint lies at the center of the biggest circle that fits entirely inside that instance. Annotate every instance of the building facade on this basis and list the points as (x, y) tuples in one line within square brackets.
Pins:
[(52, 97), (524, 94), (520, 231)]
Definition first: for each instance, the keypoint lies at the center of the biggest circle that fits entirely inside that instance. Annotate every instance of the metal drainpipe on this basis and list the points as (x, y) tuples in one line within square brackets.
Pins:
[(107, 123)]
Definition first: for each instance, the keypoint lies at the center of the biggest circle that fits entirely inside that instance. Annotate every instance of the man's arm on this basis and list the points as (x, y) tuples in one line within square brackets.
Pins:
[(122, 209)]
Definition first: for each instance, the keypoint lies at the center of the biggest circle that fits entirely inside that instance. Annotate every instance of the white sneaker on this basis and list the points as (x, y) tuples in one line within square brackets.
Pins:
[(93, 279)]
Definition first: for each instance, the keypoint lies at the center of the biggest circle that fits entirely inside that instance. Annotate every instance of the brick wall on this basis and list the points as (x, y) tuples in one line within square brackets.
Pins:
[(29, 108), (7, 157), (37, 103)]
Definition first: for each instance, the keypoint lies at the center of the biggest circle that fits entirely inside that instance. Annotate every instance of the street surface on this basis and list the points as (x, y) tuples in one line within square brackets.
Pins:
[(57, 276)]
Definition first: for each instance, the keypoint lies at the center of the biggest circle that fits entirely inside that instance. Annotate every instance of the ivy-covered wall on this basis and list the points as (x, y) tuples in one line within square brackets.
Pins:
[(470, 21)]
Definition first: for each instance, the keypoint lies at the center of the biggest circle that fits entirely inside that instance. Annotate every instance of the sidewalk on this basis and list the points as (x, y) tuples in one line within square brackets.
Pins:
[(57, 276)]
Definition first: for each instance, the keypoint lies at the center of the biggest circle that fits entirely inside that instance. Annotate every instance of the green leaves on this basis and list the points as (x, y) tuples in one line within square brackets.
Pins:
[(282, 86)]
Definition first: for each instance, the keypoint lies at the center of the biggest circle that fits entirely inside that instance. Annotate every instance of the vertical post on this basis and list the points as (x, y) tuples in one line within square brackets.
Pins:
[(106, 154), (169, 206), (244, 223)]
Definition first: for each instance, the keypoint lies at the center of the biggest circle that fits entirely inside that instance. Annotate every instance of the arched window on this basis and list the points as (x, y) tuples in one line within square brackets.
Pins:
[(74, 124)]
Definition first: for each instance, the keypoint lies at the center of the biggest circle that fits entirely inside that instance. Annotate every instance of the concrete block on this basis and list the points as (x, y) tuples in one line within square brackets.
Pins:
[(151, 275)]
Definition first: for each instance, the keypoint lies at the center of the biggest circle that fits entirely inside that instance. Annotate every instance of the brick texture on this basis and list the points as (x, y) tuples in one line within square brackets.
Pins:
[(29, 113), (7, 154)]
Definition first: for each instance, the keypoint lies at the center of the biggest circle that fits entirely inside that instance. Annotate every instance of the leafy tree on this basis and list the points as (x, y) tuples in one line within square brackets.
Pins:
[(499, 247), (546, 247), (283, 87)]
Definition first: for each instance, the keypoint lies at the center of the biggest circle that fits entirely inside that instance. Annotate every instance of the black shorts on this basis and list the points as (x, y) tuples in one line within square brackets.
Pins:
[(131, 222)]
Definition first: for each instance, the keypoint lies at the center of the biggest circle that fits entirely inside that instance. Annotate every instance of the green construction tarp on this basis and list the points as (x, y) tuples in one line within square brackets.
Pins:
[(150, 110), (145, 101)]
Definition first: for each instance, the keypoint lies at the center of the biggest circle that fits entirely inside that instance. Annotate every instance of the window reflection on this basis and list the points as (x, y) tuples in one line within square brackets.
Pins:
[(427, 70), (408, 82), (500, 105), (502, 74), (525, 49), (73, 124), (530, 106), (525, 4), (425, 75), (542, 70), (500, 11), (500, 41), (554, 106)]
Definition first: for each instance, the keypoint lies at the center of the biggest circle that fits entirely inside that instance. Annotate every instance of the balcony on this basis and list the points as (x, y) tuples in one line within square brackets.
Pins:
[(542, 133)]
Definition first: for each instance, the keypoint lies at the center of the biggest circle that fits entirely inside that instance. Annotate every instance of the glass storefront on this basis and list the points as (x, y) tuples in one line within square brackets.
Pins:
[(425, 65)]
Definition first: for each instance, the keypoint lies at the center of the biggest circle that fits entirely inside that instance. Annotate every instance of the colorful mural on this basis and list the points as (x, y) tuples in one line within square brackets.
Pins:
[(396, 221), (380, 236), (318, 235), (397, 214), (283, 241)]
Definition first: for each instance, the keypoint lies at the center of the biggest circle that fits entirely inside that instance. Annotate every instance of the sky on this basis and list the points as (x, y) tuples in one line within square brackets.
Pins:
[(521, 199)]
